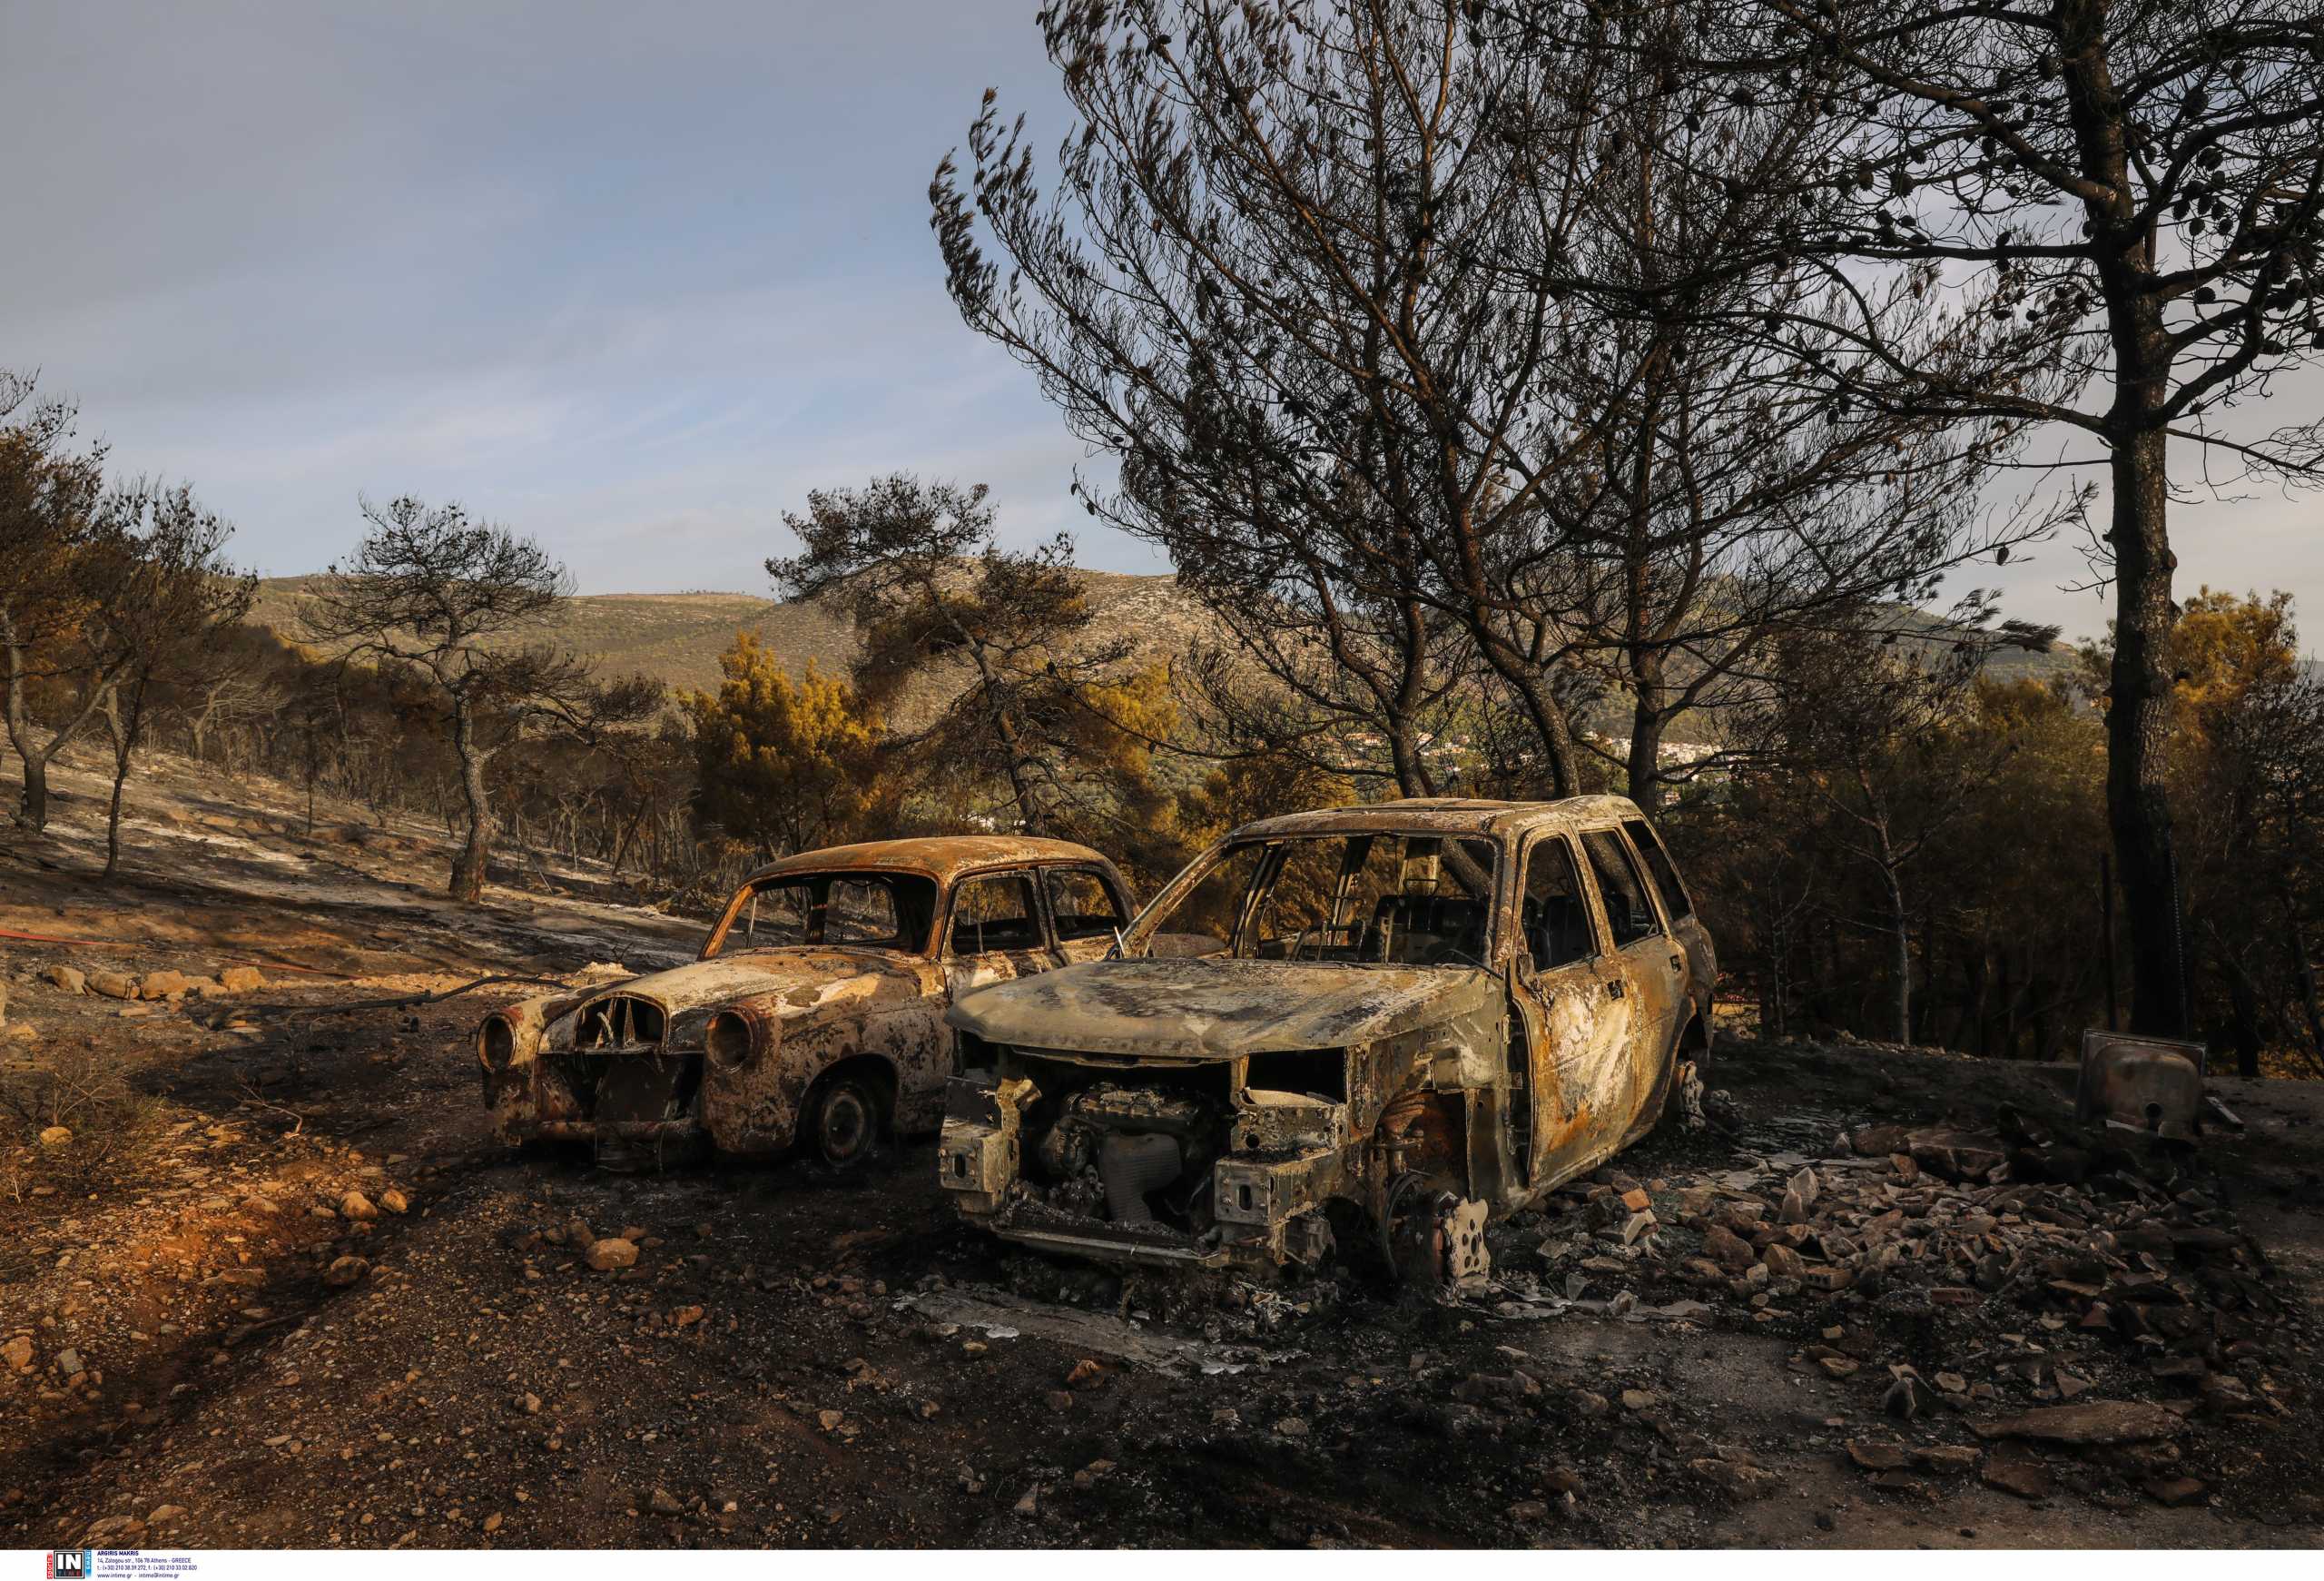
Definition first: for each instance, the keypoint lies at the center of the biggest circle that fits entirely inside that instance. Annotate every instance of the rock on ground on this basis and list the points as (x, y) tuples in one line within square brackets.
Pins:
[(162, 984), (611, 1253), (2088, 1422), (112, 984)]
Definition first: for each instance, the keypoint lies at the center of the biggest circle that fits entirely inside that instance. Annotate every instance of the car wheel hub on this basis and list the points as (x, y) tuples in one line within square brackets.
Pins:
[(846, 1125)]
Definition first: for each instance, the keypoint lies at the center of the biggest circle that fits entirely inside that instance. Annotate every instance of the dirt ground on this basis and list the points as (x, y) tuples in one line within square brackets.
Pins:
[(206, 1341)]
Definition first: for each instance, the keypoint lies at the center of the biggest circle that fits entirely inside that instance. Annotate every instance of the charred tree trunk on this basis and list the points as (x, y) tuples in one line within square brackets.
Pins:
[(2138, 723), (1550, 728), (1648, 692), (1404, 754), (1004, 730), (628, 834), (1981, 983), (2305, 971), (1644, 764), (126, 730), (32, 810), (2011, 1004), (1827, 1005), (2245, 1010), (1901, 946), (468, 866)]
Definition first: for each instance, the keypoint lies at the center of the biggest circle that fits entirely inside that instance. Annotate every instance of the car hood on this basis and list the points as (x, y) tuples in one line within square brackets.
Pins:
[(799, 978), (1217, 1009)]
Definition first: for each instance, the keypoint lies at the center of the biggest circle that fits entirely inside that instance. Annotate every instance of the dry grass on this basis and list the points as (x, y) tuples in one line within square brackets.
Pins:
[(87, 1091)]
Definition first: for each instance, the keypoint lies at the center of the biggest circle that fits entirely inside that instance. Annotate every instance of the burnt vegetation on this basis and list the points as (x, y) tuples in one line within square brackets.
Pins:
[(1531, 402), (1530, 405)]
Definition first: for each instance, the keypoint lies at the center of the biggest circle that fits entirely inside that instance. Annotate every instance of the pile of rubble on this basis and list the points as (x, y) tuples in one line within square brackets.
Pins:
[(164, 983), (140, 994), (2036, 1286)]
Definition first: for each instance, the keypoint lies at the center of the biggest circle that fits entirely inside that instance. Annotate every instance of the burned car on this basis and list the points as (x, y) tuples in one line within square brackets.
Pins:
[(815, 1011), (1412, 1015)]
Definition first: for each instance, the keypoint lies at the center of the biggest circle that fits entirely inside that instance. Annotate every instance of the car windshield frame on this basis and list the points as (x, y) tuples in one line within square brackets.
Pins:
[(1260, 891), (894, 879)]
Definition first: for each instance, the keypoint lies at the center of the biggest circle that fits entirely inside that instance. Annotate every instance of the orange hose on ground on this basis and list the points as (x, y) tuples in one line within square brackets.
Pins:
[(53, 939)]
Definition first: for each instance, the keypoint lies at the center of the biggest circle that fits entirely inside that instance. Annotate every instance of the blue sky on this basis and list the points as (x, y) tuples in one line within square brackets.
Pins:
[(631, 277)]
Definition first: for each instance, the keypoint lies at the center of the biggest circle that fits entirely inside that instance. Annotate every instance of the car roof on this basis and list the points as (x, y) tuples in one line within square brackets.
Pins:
[(1445, 815), (943, 857)]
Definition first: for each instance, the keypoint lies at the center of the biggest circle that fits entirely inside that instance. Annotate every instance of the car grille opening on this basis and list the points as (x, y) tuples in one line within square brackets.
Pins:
[(630, 1087), (618, 1068), (620, 1021)]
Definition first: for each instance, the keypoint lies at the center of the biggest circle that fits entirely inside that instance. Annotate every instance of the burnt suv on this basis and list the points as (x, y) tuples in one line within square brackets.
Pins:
[(1409, 1015)]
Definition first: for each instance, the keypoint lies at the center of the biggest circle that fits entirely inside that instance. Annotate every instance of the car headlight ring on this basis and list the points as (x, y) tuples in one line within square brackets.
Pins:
[(496, 1042), (729, 1040)]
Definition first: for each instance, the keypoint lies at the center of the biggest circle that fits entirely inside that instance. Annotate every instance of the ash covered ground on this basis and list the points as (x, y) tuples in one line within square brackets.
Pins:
[(287, 1294)]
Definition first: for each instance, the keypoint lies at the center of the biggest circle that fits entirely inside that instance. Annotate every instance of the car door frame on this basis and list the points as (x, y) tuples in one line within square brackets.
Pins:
[(1675, 947), (998, 965), (1065, 952), (1571, 1019), (1691, 944), (1654, 966)]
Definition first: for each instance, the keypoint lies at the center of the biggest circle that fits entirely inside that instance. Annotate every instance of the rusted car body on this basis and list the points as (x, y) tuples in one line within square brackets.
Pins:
[(815, 1011), (1414, 1013), (2141, 1084)]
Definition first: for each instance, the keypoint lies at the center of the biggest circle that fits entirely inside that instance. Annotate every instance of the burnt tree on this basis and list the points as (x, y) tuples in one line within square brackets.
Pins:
[(1725, 496), (1398, 319), (1269, 283), (51, 495), (170, 596), (917, 569), (2134, 191), (463, 604), (1866, 727)]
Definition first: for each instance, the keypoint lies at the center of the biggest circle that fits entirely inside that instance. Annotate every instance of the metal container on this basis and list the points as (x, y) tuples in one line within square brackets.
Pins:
[(2141, 1084)]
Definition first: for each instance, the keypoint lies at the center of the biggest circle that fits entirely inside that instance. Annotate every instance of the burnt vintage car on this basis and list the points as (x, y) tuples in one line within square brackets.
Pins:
[(815, 1011), (1415, 1013)]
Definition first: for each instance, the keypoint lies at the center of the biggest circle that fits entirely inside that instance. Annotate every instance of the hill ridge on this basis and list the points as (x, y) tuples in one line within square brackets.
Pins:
[(676, 638)]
